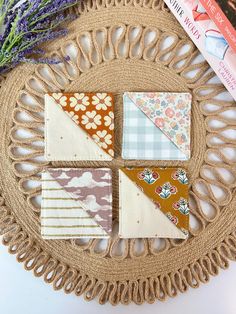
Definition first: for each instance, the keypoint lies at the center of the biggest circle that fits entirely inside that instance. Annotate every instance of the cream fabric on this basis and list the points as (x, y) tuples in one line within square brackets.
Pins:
[(65, 140), (62, 217), (139, 217)]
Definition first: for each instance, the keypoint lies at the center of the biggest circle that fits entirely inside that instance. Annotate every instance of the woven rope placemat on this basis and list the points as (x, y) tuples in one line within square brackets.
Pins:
[(117, 46)]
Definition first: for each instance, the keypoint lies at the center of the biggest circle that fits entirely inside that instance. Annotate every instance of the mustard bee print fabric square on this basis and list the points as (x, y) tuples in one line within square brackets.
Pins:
[(153, 203), (79, 126), (76, 203)]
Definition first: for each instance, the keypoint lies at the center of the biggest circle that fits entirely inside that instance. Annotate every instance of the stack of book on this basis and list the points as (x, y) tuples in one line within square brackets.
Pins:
[(212, 27)]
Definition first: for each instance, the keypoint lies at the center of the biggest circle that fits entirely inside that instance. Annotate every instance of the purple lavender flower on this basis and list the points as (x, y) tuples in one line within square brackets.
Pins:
[(28, 24)]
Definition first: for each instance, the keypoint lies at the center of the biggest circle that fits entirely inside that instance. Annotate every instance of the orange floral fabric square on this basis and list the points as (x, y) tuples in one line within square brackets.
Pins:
[(94, 113)]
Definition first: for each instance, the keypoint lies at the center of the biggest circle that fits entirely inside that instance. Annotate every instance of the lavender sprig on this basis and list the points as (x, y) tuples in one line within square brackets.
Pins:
[(6, 6), (25, 25)]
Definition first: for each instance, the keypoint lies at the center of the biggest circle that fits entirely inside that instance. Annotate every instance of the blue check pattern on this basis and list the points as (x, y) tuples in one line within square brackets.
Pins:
[(142, 139)]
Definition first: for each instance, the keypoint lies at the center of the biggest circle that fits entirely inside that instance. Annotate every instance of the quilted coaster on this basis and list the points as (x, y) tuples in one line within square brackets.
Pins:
[(79, 126), (156, 126), (76, 203), (153, 203)]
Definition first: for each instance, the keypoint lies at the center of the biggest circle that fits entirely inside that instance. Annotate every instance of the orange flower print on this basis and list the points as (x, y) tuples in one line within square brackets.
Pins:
[(102, 101), (103, 138), (79, 101), (180, 139), (140, 102), (166, 190), (174, 125), (157, 104), (148, 176), (159, 122), (151, 95), (172, 218), (91, 120), (178, 114), (169, 112), (170, 98), (182, 205), (181, 104), (111, 152), (180, 175), (109, 120), (92, 112), (157, 205), (60, 98)]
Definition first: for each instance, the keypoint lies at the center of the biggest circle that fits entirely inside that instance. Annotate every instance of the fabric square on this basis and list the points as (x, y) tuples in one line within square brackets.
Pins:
[(153, 203), (76, 203), (79, 126), (163, 119)]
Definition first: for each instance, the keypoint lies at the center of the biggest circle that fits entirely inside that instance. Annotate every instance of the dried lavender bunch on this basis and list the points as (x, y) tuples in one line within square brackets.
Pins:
[(26, 24)]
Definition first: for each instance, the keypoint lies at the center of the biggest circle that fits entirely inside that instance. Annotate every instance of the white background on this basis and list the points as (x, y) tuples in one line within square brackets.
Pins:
[(22, 293)]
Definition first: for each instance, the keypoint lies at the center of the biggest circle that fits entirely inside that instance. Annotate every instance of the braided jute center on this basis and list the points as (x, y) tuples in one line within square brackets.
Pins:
[(119, 46)]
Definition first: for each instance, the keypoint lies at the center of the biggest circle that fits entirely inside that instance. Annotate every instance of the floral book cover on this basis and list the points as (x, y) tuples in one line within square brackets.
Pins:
[(208, 38), (223, 13)]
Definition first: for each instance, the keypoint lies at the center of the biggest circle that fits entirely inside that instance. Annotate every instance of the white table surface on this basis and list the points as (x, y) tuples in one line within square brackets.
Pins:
[(22, 293)]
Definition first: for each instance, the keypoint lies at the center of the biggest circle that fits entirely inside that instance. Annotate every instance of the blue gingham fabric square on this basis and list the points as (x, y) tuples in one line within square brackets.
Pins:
[(142, 139)]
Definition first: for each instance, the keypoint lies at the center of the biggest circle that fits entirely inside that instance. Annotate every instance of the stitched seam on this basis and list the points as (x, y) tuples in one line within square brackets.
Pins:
[(58, 158), (188, 155), (82, 204)]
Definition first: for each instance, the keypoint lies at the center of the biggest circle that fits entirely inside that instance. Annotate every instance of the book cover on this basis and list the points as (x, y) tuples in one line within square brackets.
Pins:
[(223, 13), (208, 38)]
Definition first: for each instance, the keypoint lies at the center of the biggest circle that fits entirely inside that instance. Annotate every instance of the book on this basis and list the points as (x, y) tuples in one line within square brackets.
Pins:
[(194, 18), (223, 14)]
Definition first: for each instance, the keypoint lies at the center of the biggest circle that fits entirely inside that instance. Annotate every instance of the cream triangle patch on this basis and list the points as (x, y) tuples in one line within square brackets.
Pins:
[(65, 140), (91, 188), (140, 217), (62, 217), (92, 112)]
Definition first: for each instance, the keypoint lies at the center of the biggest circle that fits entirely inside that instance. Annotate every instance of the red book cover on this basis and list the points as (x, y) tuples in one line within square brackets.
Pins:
[(223, 13)]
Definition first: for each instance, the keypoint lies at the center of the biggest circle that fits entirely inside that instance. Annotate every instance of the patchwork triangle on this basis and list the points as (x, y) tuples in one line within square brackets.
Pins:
[(133, 223), (170, 112), (62, 219), (92, 112), (92, 188), (58, 140), (167, 188)]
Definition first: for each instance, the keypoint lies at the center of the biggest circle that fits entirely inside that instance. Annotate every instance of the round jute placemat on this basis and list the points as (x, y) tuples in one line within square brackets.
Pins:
[(117, 46)]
